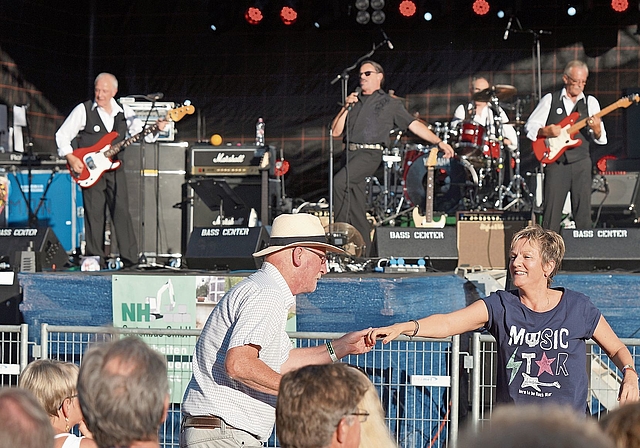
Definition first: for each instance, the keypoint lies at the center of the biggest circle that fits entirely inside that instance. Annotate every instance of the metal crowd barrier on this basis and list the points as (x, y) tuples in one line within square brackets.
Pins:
[(419, 380)]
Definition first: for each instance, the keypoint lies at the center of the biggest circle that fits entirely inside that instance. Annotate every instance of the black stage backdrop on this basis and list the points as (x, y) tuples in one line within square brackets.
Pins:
[(51, 51)]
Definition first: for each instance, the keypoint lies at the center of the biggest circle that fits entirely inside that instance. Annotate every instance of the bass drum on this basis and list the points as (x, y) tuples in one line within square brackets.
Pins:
[(450, 183)]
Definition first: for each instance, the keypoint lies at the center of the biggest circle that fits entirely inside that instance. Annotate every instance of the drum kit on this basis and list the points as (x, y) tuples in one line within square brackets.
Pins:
[(472, 180)]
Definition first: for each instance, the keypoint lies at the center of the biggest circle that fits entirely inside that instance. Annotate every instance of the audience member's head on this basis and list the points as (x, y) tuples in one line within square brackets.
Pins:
[(318, 407), (53, 383), (23, 422), (623, 425), (374, 431), (529, 426), (123, 390)]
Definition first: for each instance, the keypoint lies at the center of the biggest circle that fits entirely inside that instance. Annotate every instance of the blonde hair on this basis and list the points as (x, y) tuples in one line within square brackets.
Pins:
[(374, 432), (51, 382), (549, 243)]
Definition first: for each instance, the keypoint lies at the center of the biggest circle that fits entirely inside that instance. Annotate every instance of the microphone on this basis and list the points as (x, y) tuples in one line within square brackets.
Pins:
[(386, 38), (506, 32), (155, 96), (358, 92)]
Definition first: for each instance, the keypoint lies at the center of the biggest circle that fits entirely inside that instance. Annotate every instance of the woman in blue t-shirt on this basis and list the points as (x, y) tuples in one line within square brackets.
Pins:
[(541, 331)]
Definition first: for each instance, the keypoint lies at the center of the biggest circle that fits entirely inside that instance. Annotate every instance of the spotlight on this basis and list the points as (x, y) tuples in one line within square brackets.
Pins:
[(571, 11), (377, 4), (481, 7), (619, 5), (378, 17), (407, 8), (363, 17), (428, 16), (500, 14), (288, 15), (362, 5), (253, 15)]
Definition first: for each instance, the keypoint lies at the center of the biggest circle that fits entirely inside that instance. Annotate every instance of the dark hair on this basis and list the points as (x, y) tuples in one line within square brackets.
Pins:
[(313, 400), (378, 68)]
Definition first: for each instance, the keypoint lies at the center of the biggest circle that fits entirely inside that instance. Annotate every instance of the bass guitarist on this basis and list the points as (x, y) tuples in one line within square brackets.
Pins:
[(84, 127), (571, 172)]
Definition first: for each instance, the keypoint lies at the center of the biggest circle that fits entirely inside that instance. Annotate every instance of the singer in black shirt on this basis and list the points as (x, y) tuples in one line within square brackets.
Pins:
[(366, 121)]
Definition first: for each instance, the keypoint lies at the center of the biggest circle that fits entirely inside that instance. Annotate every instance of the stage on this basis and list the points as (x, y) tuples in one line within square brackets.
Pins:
[(342, 302)]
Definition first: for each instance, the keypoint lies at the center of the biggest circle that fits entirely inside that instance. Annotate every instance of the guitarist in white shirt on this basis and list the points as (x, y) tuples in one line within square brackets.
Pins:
[(571, 172), (85, 125)]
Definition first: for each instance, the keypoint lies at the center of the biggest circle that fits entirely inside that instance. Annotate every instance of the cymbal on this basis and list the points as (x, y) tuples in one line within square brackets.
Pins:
[(500, 91)]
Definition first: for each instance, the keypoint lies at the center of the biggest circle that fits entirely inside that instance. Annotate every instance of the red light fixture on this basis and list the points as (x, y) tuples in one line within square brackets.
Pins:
[(253, 15), (619, 5), (288, 15), (407, 8), (481, 7)]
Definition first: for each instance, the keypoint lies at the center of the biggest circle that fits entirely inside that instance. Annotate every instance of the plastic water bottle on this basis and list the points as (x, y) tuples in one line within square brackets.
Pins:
[(260, 133)]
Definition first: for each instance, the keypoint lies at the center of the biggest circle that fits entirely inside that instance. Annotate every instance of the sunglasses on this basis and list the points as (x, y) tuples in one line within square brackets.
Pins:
[(367, 73)]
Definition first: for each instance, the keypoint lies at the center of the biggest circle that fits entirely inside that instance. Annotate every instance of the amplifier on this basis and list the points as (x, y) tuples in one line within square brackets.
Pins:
[(207, 160), (611, 248)]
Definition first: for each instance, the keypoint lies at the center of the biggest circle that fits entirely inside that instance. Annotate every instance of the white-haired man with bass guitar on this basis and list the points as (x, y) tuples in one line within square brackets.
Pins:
[(87, 126), (568, 162)]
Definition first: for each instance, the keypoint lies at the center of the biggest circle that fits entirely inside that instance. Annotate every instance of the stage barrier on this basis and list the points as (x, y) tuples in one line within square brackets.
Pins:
[(423, 383)]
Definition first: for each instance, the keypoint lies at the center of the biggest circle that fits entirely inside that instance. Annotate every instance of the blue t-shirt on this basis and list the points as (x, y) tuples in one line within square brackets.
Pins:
[(542, 356)]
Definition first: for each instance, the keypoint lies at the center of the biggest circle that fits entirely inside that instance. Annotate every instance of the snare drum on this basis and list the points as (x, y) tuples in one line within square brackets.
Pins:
[(492, 149), (471, 136)]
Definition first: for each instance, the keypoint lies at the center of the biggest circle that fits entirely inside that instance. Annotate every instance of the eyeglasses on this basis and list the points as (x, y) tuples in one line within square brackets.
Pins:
[(574, 81), (362, 415), (71, 397), (367, 73), (323, 257)]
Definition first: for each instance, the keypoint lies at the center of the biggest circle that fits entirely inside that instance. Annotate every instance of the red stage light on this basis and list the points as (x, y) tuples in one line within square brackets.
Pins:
[(288, 15), (481, 7), (407, 8), (253, 15), (619, 5)]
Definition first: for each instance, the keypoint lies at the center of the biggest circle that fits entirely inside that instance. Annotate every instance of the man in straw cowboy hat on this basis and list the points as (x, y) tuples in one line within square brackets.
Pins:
[(244, 350)]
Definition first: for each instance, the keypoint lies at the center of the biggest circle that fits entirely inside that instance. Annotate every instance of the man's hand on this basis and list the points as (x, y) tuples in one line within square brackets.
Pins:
[(162, 123), (447, 149), (553, 130), (75, 164), (354, 343), (595, 124)]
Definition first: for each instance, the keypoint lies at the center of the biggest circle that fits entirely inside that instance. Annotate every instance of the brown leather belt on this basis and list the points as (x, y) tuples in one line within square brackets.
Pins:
[(204, 421)]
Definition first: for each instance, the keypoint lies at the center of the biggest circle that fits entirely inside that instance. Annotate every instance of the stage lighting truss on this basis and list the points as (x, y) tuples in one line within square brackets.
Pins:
[(370, 11)]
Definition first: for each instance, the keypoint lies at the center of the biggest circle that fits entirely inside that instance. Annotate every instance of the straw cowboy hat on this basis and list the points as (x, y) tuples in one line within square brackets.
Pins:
[(299, 229)]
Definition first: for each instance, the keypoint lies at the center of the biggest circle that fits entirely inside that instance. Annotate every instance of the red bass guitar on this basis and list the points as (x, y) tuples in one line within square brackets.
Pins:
[(97, 158)]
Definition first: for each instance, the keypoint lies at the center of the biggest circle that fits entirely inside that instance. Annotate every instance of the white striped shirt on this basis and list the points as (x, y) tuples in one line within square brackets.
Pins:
[(253, 312)]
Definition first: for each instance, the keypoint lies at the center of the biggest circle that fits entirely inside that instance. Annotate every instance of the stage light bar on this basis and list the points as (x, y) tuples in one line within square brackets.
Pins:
[(481, 7)]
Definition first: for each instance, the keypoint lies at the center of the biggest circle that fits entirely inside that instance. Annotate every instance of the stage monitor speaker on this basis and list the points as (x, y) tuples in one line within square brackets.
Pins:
[(10, 298), (438, 246), (591, 249), (623, 195), (484, 238), (225, 247), (49, 252)]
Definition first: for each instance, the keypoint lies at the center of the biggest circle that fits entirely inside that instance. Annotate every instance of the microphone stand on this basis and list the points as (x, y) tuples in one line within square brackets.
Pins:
[(343, 77)]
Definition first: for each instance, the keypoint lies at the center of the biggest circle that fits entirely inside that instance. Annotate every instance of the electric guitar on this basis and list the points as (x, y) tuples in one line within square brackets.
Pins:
[(97, 158), (549, 149), (426, 220)]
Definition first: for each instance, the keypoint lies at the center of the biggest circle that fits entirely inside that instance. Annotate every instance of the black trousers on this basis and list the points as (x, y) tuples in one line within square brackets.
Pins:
[(349, 190), (559, 179), (109, 193)]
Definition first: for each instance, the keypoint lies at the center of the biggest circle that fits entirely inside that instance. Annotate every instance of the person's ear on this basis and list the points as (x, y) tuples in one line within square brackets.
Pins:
[(548, 268), (296, 256), (165, 412), (342, 431)]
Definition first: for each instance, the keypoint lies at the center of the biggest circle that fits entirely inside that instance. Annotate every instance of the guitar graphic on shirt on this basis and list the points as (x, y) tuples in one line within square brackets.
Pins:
[(534, 382)]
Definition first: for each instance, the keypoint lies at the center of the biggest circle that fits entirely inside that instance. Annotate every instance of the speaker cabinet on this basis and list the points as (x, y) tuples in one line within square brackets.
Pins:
[(49, 252), (613, 248), (225, 247), (155, 195), (484, 238), (622, 198), (436, 245), (632, 126)]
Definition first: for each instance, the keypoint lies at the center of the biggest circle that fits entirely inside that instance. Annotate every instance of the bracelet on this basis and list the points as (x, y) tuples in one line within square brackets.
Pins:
[(438, 144), (415, 331), (628, 367), (332, 353)]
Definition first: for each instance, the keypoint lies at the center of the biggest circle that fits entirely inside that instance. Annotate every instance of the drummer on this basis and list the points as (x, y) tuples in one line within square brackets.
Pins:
[(481, 113)]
